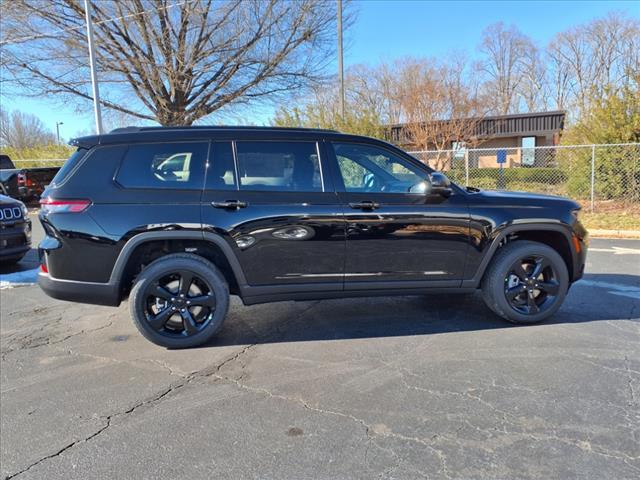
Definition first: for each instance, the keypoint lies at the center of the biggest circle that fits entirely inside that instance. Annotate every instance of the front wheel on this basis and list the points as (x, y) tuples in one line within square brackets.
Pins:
[(526, 282), (179, 301)]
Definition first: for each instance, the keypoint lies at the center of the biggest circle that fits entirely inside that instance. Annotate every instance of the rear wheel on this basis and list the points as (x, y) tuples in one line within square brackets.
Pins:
[(179, 301), (526, 282)]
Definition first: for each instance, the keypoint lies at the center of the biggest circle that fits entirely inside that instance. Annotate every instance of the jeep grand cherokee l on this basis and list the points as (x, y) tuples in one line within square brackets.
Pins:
[(177, 219)]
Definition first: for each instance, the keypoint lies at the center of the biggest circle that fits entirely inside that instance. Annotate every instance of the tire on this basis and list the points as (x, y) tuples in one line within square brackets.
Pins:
[(187, 323), (544, 292)]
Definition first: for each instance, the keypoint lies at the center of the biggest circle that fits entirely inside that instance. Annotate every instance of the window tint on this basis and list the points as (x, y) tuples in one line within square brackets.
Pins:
[(279, 166), (366, 168), (221, 174), (163, 165), (64, 171), (5, 162)]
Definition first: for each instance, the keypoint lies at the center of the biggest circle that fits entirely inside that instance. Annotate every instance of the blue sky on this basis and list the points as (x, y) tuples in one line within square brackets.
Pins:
[(389, 29)]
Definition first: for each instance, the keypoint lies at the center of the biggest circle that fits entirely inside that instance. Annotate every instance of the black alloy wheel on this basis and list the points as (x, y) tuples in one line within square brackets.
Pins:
[(531, 285), (526, 282), (179, 300), (180, 303)]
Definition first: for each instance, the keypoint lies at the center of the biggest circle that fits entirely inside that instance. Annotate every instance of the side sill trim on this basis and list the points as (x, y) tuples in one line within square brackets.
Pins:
[(325, 295)]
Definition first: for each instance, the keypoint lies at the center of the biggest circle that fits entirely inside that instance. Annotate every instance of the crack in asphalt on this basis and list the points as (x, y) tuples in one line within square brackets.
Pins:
[(107, 424), (628, 370), (27, 340), (29, 344), (153, 400), (210, 371), (371, 432)]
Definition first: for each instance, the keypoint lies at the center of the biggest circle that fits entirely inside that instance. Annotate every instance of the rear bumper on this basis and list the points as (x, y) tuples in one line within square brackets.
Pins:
[(83, 292)]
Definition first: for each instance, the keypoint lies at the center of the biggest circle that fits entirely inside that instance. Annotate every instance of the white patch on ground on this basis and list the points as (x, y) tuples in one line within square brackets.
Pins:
[(613, 288), (17, 279), (617, 250)]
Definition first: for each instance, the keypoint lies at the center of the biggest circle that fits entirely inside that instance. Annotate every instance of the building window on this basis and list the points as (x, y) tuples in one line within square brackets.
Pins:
[(459, 150), (528, 151)]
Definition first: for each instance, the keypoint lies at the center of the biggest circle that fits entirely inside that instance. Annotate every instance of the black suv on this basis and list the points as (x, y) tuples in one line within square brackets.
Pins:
[(179, 218)]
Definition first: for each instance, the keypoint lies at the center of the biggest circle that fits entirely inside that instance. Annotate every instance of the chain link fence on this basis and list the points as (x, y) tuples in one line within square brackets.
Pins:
[(596, 175), (599, 176)]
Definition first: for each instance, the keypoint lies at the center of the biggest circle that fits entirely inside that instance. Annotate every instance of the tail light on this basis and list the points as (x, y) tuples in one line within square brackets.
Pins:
[(22, 179), (51, 205)]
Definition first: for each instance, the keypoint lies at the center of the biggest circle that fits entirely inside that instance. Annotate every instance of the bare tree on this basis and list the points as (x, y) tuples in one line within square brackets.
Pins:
[(363, 106), (533, 89), (440, 105), (21, 130), (506, 52), (590, 61), (559, 78), (172, 62)]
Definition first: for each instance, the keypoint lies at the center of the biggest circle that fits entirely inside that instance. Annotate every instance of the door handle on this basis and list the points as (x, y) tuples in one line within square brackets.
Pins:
[(230, 204), (366, 205)]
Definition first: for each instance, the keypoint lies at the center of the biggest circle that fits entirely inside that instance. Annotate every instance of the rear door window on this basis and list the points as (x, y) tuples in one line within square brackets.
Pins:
[(279, 166), (164, 165), (221, 172)]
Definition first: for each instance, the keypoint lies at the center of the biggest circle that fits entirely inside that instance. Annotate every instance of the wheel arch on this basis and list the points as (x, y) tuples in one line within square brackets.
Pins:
[(556, 236), (145, 247)]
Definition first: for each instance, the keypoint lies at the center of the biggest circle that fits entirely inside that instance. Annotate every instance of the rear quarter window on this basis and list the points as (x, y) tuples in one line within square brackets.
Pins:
[(68, 166), (164, 165)]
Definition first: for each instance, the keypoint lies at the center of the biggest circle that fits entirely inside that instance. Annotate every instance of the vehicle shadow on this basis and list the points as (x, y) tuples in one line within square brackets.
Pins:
[(599, 297), (29, 262)]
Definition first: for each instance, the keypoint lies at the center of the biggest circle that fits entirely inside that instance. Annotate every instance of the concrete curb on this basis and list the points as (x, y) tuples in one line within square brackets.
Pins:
[(600, 233)]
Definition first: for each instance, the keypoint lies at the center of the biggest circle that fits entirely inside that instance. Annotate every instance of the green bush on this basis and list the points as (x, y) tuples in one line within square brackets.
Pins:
[(617, 173), (526, 175), (40, 152), (541, 180)]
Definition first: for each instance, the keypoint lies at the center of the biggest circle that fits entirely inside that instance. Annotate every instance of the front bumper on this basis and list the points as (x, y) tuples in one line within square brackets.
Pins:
[(76, 291), (15, 238)]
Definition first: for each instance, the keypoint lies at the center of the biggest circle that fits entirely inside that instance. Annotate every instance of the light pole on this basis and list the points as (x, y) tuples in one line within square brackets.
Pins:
[(340, 66), (92, 63), (58, 131)]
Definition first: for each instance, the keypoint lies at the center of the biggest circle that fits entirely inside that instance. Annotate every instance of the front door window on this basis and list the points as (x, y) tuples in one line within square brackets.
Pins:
[(365, 168)]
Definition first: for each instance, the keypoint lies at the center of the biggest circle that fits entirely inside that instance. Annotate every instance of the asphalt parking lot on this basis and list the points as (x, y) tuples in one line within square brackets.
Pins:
[(405, 387)]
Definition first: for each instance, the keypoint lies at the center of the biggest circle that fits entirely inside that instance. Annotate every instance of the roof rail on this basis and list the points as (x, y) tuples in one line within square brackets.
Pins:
[(218, 127)]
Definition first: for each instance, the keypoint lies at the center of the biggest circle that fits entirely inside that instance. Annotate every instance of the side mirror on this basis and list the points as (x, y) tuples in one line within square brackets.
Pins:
[(440, 184)]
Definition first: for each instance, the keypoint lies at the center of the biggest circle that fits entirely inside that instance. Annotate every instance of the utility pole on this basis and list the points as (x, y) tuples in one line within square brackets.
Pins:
[(92, 62), (58, 131), (340, 65)]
